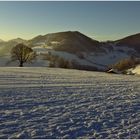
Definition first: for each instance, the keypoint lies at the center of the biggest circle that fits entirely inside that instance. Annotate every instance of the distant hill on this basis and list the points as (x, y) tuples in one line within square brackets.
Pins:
[(6, 46), (69, 41), (17, 40), (1, 40), (132, 41)]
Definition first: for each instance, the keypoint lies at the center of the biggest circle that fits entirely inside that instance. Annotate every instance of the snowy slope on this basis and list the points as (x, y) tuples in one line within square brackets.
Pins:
[(135, 70), (100, 60), (95, 59), (59, 103)]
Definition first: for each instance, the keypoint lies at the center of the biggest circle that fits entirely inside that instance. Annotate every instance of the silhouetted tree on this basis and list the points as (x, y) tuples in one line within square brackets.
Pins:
[(22, 54)]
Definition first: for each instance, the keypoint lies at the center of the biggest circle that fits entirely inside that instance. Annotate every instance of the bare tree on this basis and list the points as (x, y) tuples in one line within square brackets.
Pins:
[(22, 54)]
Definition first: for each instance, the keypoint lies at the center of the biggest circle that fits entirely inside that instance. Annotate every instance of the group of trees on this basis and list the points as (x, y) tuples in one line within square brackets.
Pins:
[(126, 63), (57, 61)]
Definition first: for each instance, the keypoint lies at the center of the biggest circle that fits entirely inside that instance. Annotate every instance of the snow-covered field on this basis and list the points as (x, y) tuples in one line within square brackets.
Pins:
[(59, 103)]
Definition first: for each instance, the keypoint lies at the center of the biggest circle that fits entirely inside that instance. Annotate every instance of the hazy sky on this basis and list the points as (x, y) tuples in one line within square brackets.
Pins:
[(99, 20)]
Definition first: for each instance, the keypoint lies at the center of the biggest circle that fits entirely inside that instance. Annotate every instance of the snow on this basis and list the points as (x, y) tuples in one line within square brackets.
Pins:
[(107, 58), (41, 50), (59, 103), (136, 70), (110, 57), (114, 71), (55, 42), (100, 60), (5, 61), (69, 56)]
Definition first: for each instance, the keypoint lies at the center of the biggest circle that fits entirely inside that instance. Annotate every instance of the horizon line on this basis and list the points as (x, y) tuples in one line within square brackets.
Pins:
[(90, 36)]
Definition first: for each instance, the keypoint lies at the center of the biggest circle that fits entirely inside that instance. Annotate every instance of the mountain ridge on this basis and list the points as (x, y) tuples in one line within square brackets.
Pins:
[(136, 35), (75, 46), (132, 41)]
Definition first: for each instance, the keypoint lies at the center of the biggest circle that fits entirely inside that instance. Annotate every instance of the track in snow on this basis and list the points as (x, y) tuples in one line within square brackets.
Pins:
[(59, 103)]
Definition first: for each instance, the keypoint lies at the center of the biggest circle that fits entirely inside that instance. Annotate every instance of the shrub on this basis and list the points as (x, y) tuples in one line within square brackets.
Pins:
[(126, 64)]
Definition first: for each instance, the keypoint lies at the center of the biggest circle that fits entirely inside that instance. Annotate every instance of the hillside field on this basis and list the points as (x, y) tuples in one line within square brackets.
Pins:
[(60, 103)]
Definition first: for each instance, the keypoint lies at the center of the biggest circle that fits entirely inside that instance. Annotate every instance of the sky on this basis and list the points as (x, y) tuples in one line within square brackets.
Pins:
[(99, 20)]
